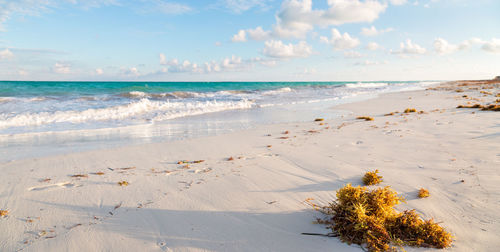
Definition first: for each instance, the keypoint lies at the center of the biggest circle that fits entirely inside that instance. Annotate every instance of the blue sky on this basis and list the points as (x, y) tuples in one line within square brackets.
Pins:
[(249, 40)]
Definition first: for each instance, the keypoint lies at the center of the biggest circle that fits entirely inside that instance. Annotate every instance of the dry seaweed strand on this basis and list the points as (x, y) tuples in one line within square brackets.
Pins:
[(366, 118), (372, 178), (4, 213), (368, 218), (423, 193), (123, 183)]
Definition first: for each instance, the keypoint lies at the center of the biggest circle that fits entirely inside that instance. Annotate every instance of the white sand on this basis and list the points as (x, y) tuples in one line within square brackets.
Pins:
[(256, 202)]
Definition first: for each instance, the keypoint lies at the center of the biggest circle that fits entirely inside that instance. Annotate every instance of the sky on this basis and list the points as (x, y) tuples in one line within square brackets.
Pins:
[(249, 40)]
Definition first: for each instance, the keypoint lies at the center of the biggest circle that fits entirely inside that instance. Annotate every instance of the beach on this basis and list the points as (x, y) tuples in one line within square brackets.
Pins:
[(248, 188)]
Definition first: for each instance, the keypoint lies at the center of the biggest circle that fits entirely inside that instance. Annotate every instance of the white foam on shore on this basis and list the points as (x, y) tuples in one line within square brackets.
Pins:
[(367, 85), (144, 109)]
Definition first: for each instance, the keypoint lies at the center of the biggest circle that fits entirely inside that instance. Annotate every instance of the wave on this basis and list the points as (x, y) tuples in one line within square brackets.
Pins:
[(367, 85), (277, 91), (143, 109)]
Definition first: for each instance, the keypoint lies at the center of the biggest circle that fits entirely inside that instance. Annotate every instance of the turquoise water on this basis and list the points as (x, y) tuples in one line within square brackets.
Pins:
[(31, 89), (43, 118)]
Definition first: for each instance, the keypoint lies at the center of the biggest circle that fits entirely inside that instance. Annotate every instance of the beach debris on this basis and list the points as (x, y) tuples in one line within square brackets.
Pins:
[(491, 107), (126, 168), (372, 178), (410, 110), (269, 146), (230, 158), (123, 183), (319, 119), (423, 193), (283, 137), (286, 132), (190, 162), (368, 218), (271, 202), (4, 213), (99, 173), (313, 131), (46, 180), (186, 166), (79, 176), (342, 125), (390, 114), (118, 206), (366, 118)]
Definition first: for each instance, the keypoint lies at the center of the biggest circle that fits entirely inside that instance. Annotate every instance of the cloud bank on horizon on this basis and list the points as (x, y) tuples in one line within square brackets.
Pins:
[(248, 40)]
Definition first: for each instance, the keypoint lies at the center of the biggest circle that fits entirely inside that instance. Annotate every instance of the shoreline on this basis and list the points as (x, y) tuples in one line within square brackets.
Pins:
[(256, 201)]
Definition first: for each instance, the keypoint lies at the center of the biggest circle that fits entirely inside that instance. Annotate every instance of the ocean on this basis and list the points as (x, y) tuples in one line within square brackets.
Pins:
[(48, 117)]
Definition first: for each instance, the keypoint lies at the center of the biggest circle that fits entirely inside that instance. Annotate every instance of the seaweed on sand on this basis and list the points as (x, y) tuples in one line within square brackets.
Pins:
[(423, 193), (372, 178), (368, 218), (366, 118)]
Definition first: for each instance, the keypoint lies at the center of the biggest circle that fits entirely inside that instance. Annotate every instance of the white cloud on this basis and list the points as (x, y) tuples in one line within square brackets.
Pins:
[(398, 2), (410, 48), (99, 71), (277, 49), (132, 71), (492, 46), (372, 46), (239, 37), (163, 59), (352, 54), (61, 68), (372, 31), (240, 6), (232, 63), (443, 47), (340, 41), (258, 34), (370, 63), (297, 17), (6, 54)]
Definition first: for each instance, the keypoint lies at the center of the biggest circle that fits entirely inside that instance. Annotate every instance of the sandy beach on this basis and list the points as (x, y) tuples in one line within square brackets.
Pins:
[(247, 190)]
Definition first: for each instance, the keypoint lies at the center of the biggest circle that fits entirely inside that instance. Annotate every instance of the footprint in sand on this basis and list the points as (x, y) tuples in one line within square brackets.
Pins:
[(52, 186)]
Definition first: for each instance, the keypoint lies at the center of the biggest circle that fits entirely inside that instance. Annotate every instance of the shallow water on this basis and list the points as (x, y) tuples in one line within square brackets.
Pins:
[(44, 118)]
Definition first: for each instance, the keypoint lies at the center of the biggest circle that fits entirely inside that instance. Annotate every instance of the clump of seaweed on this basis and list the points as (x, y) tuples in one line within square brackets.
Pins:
[(123, 183), (423, 193), (80, 176), (368, 218), (492, 107), (470, 106), (372, 178), (366, 118), (410, 110), (319, 119), (4, 213)]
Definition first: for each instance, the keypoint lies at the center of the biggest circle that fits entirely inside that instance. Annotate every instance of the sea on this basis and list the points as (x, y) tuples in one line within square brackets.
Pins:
[(47, 118)]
